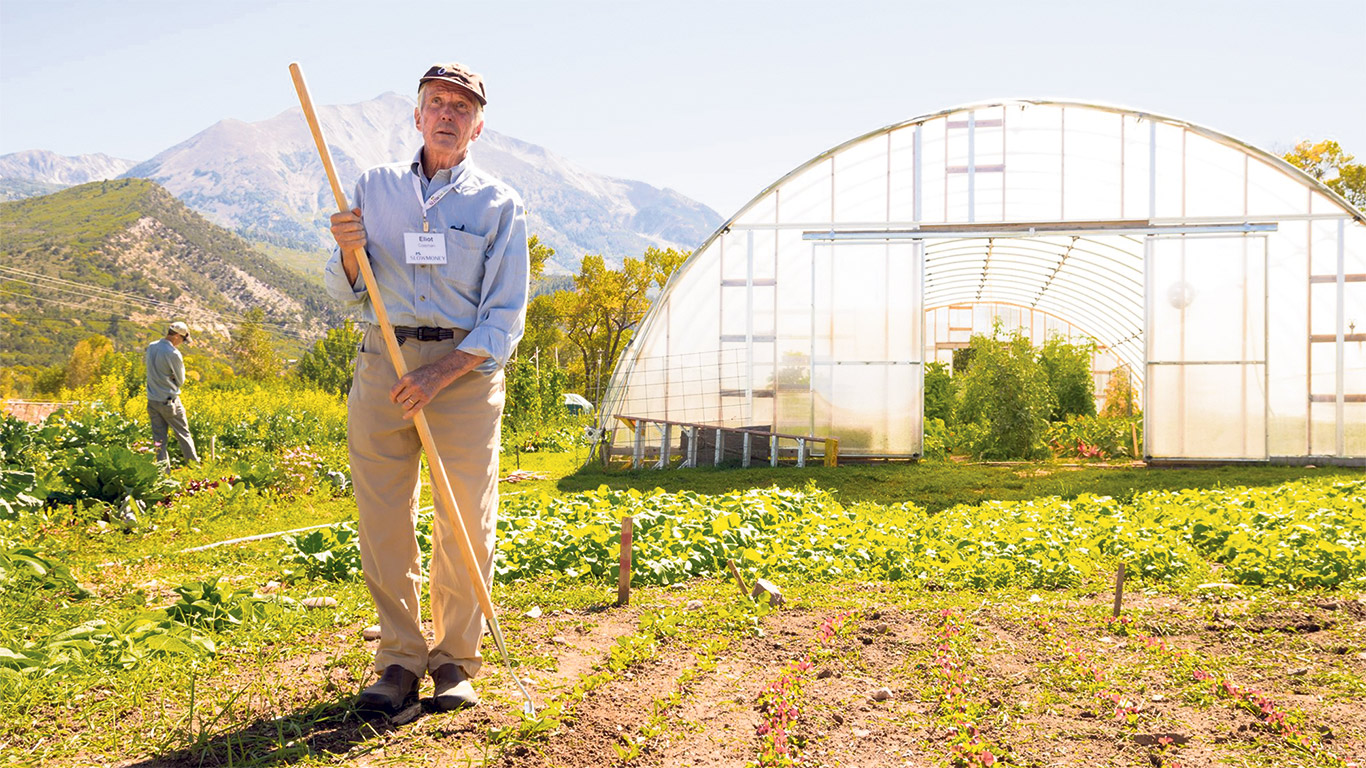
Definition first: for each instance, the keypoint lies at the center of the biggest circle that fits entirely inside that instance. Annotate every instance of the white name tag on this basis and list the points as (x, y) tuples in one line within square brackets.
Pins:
[(425, 247)]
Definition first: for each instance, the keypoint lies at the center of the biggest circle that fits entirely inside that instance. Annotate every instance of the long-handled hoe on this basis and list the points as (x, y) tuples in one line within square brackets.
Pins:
[(444, 497)]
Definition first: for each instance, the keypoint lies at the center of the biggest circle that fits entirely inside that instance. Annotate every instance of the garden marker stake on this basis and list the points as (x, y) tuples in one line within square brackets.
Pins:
[(444, 497)]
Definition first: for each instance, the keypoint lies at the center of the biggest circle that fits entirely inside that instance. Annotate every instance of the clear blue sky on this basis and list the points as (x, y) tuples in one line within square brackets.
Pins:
[(713, 99)]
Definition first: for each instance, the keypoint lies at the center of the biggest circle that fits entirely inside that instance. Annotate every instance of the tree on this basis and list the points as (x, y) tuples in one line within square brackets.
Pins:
[(1005, 398), (606, 305), (539, 254), (1327, 162), (330, 364), (1068, 368), (87, 357), (253, 353)]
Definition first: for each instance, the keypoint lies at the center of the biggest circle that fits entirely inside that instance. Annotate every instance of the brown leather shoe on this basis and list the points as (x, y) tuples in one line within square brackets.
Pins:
[(453, 689), (392, 692)]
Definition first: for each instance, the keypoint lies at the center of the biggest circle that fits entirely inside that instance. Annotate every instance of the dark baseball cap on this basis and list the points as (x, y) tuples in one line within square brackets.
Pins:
[(457, 74)]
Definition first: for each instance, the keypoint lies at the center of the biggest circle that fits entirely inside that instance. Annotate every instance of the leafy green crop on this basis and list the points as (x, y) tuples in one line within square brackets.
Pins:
[(328, 554), (114, 473)]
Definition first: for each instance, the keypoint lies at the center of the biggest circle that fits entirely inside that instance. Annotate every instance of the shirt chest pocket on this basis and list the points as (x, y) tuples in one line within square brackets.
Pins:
[(464, 259)]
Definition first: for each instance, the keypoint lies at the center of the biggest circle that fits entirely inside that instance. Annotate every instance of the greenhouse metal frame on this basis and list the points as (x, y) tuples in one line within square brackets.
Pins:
[(1231, 283)]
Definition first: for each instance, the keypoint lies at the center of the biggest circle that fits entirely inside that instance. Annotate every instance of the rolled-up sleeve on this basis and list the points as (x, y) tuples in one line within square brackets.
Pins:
[(501, 316), (334, 275)]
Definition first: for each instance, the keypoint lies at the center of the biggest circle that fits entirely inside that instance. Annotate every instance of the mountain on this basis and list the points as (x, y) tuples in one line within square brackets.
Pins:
[(264, 181), (124, 257), (60, 170)]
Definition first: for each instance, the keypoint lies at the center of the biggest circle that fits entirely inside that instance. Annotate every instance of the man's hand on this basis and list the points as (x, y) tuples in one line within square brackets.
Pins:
[(423, 384), (349, 232)]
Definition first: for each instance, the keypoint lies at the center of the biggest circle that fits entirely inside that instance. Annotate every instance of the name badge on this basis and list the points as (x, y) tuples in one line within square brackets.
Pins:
[(425, 247)]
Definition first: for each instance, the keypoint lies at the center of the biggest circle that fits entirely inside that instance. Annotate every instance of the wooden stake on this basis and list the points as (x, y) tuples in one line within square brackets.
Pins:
[(1133, 433), (624, 562), (744, 589), (1119, 589)]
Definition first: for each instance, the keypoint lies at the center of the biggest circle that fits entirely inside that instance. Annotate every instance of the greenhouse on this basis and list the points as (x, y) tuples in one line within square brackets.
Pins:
[(1231, 284)]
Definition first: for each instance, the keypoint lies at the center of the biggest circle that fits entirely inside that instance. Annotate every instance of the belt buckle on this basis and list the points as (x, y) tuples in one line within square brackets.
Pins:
[(428, 334)]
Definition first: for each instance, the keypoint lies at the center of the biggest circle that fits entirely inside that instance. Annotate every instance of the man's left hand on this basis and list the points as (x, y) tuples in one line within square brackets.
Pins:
[(421, 385)]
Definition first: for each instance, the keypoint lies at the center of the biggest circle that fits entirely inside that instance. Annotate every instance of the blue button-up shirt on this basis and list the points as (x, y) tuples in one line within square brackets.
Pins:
[(481, 288)]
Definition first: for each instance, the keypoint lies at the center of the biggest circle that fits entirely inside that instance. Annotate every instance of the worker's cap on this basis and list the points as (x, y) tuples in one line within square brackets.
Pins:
[(457, 74), (180, 328)]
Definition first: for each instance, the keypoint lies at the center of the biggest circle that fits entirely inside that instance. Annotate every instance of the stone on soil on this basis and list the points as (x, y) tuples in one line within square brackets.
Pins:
[(319, 602), (370, 633)]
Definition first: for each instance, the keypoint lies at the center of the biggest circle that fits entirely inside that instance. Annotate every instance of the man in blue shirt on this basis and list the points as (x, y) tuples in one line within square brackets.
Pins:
[(165, 377), (447, 244)]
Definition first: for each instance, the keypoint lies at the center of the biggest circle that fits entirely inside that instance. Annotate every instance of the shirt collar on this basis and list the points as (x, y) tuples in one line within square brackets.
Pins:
[(442, 177)]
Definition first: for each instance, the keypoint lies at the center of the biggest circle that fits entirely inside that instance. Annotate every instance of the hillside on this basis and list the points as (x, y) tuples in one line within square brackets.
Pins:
[(121, 258)]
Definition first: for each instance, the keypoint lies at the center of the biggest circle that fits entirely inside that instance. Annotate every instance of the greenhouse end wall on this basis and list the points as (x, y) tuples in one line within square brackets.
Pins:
[(1231, 283)]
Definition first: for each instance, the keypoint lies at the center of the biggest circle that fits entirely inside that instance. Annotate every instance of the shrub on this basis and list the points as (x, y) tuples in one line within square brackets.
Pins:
[(1006, 392), (940, 391), (1121, 397), (330, 364), (1068, 368)]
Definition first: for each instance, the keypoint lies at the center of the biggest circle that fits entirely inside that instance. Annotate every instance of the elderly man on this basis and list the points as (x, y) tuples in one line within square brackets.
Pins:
[(448, 246), (165, 377)]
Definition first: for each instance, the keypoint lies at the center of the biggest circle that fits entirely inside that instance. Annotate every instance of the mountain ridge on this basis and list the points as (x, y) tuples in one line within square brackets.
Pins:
[(264, 181)]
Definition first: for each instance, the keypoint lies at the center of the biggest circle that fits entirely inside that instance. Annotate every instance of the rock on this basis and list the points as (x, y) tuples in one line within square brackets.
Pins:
[(1087, 715), (881, 628), (824, 673), (693, 605), (765, 587), (370, 633), (881, 694), (534, 613), (874, 615), (1035, 599), (1158, 697), (1298, 671), (838, 718), (319, 602), (861, 733), (1329, 606), (407, 715)]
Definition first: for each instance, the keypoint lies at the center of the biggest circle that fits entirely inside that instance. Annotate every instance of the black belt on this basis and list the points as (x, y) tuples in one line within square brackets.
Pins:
[(424, 333)]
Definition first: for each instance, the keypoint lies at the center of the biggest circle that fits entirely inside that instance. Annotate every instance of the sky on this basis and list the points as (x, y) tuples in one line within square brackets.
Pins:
[(716, 100)]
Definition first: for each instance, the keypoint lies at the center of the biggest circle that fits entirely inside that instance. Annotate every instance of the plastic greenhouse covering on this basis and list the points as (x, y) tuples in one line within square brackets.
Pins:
[(1231, 284)]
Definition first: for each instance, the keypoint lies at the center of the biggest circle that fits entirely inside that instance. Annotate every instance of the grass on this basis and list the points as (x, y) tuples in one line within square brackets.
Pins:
[(278, 690), (939, 485)]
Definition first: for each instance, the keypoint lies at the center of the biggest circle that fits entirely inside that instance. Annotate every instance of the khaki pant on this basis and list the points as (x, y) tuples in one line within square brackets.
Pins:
[(464, 420), (163, 415)]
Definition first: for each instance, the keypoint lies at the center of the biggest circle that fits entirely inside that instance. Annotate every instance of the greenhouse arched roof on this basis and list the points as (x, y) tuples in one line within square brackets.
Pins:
[(1053, 206)]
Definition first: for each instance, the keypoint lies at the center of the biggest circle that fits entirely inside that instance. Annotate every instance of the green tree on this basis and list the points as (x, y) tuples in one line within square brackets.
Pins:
[(330, 364), (1068, 368), (252, 351), (940, 391), (606, 305), (1005, 398), (1327, 162)]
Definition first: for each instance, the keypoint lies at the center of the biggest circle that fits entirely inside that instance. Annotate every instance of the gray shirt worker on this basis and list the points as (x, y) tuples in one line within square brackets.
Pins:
[(165, 371), (482, 287)]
